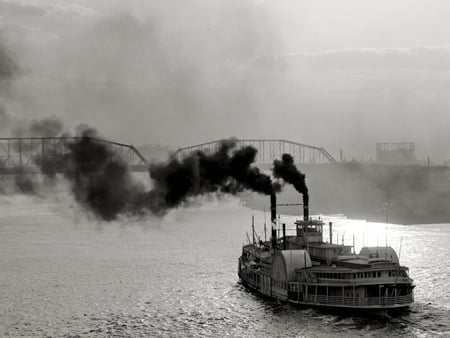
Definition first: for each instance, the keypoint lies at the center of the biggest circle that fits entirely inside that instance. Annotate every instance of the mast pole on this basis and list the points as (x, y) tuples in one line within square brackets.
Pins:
[(253, 228), (265, 235)]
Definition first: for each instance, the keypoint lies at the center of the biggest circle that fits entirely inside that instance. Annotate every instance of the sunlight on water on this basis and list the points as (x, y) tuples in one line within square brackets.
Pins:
[(64, 275)]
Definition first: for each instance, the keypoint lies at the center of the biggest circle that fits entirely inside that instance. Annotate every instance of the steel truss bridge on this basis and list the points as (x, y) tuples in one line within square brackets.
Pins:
[(269, 150), (18, 154)]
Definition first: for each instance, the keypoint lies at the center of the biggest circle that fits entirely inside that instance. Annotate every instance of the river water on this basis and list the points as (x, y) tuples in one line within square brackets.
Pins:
[(63, 274)]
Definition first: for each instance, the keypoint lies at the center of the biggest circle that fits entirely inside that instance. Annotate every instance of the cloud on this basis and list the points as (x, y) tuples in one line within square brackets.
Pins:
[(9, 9), (432, 58)]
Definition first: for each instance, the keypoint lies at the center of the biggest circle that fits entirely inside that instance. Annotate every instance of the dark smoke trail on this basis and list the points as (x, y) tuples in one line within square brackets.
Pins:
[(202, 173), (102, 183), (100, 180), (287, 171)]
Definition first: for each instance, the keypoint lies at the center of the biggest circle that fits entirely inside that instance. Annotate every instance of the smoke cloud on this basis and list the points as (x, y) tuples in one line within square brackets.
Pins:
[(99, 179), (223, 172), (8, 69), (43, 127), (101, 182), (8, 66), (4, 117), (286, 170)]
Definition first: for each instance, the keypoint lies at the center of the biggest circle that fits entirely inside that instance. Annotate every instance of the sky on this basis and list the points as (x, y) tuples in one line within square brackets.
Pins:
[(339, 74)]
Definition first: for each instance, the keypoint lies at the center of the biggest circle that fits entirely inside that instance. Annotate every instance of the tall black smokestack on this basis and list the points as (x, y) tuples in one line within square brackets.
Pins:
[(287, 171), (273, 218), (305, 209), (273, 209)]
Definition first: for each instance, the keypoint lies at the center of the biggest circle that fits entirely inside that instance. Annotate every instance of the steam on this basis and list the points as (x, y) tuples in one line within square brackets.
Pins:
[(286, 170)]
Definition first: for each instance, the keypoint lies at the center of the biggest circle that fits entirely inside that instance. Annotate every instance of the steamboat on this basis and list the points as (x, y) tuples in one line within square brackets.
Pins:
[(304, 270)]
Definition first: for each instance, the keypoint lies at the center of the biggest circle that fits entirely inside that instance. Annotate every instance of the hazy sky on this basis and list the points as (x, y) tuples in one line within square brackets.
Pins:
[(339, 74)]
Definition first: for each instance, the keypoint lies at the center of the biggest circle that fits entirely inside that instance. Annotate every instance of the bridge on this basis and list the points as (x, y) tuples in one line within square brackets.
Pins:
[(269, 150), (18, 154)]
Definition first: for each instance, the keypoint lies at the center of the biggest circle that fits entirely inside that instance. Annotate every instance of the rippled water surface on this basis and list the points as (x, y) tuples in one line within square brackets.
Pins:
[(62, 275)]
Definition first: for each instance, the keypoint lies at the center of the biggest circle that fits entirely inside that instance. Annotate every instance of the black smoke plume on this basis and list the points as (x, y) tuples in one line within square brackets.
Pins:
[(288, 172), (223, 172), (100, 180)]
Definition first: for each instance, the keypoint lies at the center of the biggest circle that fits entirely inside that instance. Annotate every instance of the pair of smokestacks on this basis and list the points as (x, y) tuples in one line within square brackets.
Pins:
[(273, 217)]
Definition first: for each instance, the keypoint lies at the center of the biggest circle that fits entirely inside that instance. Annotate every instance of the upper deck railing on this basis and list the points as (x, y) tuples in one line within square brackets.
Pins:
[(359, 301)]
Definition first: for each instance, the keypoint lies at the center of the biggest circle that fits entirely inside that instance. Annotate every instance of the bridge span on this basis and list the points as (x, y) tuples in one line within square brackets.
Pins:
[(269, 150), (20, 154)]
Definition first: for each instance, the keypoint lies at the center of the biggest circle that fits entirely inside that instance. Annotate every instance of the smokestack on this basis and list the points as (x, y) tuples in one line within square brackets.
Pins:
[(284, 236), (287, 171), (273, 209), (331, 232), (305, 209), (273, 217), (274, 238)]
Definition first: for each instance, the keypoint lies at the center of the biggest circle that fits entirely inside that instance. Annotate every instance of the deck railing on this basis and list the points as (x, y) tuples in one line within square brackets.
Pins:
[(358, 301)]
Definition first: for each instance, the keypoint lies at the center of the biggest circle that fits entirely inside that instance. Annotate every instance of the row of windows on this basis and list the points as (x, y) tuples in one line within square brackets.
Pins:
[(367, 274), (256, 279)]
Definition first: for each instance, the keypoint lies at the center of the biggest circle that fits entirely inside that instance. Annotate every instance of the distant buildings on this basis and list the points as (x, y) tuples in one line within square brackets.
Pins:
[(396, 153)]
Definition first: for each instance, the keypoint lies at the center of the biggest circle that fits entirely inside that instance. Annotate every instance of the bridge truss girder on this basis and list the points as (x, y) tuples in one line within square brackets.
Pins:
[(20, 153), (268, 150)]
